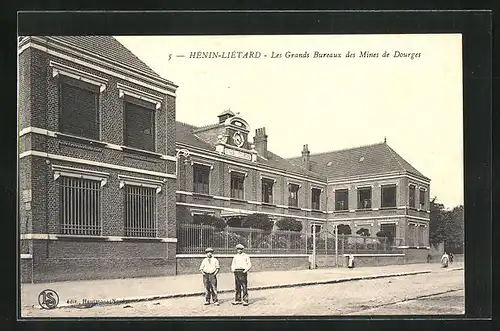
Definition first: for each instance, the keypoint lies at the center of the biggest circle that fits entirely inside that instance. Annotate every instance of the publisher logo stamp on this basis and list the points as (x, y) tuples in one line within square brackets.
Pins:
[(48, 299)]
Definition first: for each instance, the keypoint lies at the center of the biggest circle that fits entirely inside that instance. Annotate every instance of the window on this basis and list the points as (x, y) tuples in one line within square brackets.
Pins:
[(389, 228), (422, 199), (140, 211), (342, 199), (412, 196), (421, 234), (80, 206), (201, 178), (293, 195), (388, 196), (237, 181), (315, 198), (139, 125), (267, 190), (364, 198), (412, 235), (79, 108)]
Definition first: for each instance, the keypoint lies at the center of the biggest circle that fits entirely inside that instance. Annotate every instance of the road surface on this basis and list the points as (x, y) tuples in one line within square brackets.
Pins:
[(438, 292)]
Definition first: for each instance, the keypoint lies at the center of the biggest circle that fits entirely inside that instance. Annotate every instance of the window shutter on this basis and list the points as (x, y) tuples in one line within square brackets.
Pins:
[(79, 111), (139, 127)]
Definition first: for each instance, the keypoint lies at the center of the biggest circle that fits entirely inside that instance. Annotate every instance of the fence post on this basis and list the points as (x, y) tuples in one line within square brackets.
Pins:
[(227, 238), (336, 246), (314, 248)]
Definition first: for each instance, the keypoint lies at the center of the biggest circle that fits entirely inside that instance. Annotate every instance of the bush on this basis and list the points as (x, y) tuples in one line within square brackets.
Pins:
[(236, 221), (363, 232), (344, 229), (289, 224), (258, 221), (211, 220)]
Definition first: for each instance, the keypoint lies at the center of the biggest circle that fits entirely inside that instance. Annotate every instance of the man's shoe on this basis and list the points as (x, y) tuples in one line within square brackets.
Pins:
[(236, 302), (245, 303), (216, 303), (206, 303)]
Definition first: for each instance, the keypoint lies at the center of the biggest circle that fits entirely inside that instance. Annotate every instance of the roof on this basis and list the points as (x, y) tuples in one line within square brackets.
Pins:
[(185, 135), (108, 47), (358, 161)]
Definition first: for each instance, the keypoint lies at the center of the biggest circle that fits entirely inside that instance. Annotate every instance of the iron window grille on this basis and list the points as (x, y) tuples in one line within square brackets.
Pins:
[(140, 211), (80, 206)]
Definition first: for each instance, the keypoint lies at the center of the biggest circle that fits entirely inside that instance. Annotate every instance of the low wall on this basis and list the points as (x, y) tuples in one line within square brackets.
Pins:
[(416, 255), (360, 260), (64, 260), (26, 264), (190, 264)]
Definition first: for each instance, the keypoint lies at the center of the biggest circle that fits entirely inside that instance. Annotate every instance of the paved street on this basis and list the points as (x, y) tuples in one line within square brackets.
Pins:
[(403, 295)]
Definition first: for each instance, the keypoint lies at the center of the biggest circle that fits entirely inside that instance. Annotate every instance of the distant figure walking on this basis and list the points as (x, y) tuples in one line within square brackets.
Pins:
[(209, 268), (240, 266), (451, 257), (445, 260)]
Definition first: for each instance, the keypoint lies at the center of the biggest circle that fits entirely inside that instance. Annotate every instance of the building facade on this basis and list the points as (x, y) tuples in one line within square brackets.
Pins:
[(106, 173), (97, 175)]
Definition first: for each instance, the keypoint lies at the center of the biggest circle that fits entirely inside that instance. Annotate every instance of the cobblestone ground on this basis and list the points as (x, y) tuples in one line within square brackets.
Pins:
[(395, 295)]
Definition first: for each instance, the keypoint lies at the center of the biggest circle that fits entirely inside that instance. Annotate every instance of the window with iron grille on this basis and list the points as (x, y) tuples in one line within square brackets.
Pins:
[(293, 195), (342, 199), (201, 179), (422, 199), (80, 206), (412, 196), (315, 198), (79, 109), (267, 190), (364, 198), (140, 211), (237, 182), (388, 193), (139, 124)]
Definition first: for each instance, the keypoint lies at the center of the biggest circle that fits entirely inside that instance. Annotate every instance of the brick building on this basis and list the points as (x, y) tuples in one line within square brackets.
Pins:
[(106, 173), (96, 161)]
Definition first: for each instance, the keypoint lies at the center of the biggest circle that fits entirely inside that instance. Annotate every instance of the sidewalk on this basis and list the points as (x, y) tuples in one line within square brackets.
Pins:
[(154, 288)]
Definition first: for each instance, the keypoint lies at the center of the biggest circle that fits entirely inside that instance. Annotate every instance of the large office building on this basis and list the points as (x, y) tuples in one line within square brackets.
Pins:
[(106, 173)]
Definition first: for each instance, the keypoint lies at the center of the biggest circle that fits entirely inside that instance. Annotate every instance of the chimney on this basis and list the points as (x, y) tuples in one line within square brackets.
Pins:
[(305, 157), (260, 142)]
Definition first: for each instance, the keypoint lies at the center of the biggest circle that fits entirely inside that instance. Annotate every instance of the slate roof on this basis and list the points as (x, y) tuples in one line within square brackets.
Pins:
[(364, 160), (185, 135), (108, 47)]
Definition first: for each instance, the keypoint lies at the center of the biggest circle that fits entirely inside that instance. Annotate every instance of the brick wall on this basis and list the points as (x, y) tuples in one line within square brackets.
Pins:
[(191, 265)]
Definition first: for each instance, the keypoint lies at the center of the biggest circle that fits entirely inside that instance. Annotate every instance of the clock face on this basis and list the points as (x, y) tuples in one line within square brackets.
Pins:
[(238, 139)]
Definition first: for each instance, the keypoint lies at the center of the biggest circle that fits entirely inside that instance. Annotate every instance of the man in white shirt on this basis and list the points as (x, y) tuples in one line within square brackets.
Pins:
[(209, 268), (240, 266)]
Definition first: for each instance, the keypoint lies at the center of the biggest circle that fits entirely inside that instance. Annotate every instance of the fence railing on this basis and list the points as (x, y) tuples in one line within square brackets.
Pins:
[(194, 238)]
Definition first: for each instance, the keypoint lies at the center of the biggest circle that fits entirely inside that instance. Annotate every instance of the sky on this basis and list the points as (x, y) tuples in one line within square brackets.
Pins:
[(327, 102)]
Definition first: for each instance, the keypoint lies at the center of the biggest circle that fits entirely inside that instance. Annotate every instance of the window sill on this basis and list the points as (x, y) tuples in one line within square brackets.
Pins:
[(294, 208), (141, 239), (316, 211), (265, 204), (78, 139), (364, 209), (141, 152), (77, 237), (237, 200), (202, 195), (341, 211), (388, 208)]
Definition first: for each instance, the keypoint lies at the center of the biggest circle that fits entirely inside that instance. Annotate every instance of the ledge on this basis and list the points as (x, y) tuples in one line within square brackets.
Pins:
[(141, 239), (202, 195), (317, 211), (389, 208), (341, 211), (141, 152), (75, 237), (82, 140), (268, 205), (366, 209), (237, 200), (294, 208)]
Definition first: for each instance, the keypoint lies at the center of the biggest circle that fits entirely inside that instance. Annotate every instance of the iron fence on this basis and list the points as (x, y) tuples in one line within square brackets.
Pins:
[(194, 238)]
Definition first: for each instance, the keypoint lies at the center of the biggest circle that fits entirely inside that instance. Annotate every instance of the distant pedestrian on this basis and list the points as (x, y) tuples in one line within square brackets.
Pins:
[(429, 257), (209, 268), (451, 257), (240, 266), (445, 259)]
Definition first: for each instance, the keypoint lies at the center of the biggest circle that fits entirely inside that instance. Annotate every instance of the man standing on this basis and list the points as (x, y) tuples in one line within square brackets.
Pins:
[(209, 268), (240, 266)]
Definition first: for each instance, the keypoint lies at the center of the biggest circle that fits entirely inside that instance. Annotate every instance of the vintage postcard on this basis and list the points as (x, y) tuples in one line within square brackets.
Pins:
[(241, 175)]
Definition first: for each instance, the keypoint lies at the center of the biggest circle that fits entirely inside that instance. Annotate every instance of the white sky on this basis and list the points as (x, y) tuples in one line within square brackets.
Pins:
[(328, 103)]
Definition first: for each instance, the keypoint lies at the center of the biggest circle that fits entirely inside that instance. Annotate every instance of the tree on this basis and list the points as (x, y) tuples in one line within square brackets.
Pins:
[(447, 226), (235, 221), (344, 229), (258, 221), (289, 224), (363, 232), (211, 220)]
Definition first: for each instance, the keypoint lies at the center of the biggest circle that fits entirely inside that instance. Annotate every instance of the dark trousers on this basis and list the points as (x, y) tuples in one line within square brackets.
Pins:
[(210, 282), (240, 280)]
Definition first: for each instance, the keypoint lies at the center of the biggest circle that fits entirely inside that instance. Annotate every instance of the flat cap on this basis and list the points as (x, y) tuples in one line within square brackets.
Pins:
[(239, 246), (209, 249)]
